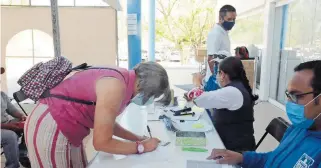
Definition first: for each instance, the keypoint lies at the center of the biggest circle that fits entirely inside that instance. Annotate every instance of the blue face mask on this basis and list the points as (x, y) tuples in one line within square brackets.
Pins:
[(228, 25), (296, 114), (138, 100)]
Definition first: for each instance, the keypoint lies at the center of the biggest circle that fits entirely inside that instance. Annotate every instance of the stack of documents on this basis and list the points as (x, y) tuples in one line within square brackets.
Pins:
[(185, 138), (196, 126)]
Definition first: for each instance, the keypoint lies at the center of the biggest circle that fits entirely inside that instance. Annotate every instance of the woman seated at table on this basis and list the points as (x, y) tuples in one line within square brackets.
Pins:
[(233, 105), (56, 128)]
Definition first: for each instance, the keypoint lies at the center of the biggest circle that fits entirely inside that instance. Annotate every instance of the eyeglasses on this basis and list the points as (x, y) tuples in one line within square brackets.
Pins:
[(296, 97)]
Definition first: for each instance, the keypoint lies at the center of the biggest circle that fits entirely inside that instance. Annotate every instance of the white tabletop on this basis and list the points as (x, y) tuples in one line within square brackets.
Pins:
[(170, 156)]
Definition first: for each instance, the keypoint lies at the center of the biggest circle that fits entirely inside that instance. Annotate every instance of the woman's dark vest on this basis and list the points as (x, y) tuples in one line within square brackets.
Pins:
[(235, 127)]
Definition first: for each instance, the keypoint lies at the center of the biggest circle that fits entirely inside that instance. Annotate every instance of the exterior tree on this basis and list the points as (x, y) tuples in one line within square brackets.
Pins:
[(187, 28)]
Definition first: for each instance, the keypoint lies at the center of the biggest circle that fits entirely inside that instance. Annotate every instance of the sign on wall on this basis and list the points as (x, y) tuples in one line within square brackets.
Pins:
[(132, 24)]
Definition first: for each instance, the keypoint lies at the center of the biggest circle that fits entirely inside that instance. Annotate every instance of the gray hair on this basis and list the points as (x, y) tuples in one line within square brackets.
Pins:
[(152, 80)]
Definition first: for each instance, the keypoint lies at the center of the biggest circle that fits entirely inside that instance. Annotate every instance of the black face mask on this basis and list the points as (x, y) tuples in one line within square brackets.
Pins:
[(228, 25)]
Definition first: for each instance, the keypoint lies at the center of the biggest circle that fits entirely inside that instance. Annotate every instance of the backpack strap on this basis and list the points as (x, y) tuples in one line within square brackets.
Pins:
[(48, 94), (83, 66)]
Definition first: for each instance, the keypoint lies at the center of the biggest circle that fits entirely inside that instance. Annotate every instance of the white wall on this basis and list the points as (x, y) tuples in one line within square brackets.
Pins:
[(87, 34)]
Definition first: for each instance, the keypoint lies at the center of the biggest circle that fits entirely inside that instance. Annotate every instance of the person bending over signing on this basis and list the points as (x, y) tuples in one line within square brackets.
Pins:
[(56, 128)]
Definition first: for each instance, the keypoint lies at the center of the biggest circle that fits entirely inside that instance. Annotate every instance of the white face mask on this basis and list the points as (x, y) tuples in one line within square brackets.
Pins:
[(138, 100)]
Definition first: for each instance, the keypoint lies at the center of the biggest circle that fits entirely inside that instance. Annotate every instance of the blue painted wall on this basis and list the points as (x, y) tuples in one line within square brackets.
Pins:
[(134, 39), (285, 14), (151, 31)]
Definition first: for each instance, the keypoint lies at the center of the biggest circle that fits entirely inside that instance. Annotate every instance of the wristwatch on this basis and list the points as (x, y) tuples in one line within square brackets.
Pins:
[(140, 147)]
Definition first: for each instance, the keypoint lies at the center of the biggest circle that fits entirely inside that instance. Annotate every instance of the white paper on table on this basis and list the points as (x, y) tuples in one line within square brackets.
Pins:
[(154, 116), (154, 165), (174, 108), (191, 126), (119, 157), (205, 164), (161, 154), (160, 111)]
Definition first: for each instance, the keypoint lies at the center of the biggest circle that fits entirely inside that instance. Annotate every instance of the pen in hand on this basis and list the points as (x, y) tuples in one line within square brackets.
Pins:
[(149, 131)]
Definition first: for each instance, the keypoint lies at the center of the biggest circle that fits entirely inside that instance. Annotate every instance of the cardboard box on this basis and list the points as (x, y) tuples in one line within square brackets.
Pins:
[(249, 70), (201, 55)]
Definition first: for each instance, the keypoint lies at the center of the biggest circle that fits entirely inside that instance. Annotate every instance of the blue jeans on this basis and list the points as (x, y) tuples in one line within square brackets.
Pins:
[(9, 142)]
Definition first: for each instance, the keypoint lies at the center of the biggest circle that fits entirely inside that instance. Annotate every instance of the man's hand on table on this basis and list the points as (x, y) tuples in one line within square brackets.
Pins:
[(150, 144), (223, 156)]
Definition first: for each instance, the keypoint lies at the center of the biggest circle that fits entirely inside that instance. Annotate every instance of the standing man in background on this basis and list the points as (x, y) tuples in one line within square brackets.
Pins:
[(218, 41)]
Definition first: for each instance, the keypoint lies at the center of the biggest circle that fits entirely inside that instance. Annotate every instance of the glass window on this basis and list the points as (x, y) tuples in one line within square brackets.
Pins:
[(43, 44), (66, 2), (317, 32), (15, 67), (20, 44), (248, 31), (40, 2), (302, 41), (91, 3), (23, 51), (47, 2), (14, 2), (301, 27), (40, 59)]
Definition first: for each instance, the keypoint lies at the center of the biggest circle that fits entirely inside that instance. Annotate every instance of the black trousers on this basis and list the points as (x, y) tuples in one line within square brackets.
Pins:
[(238, 140)]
